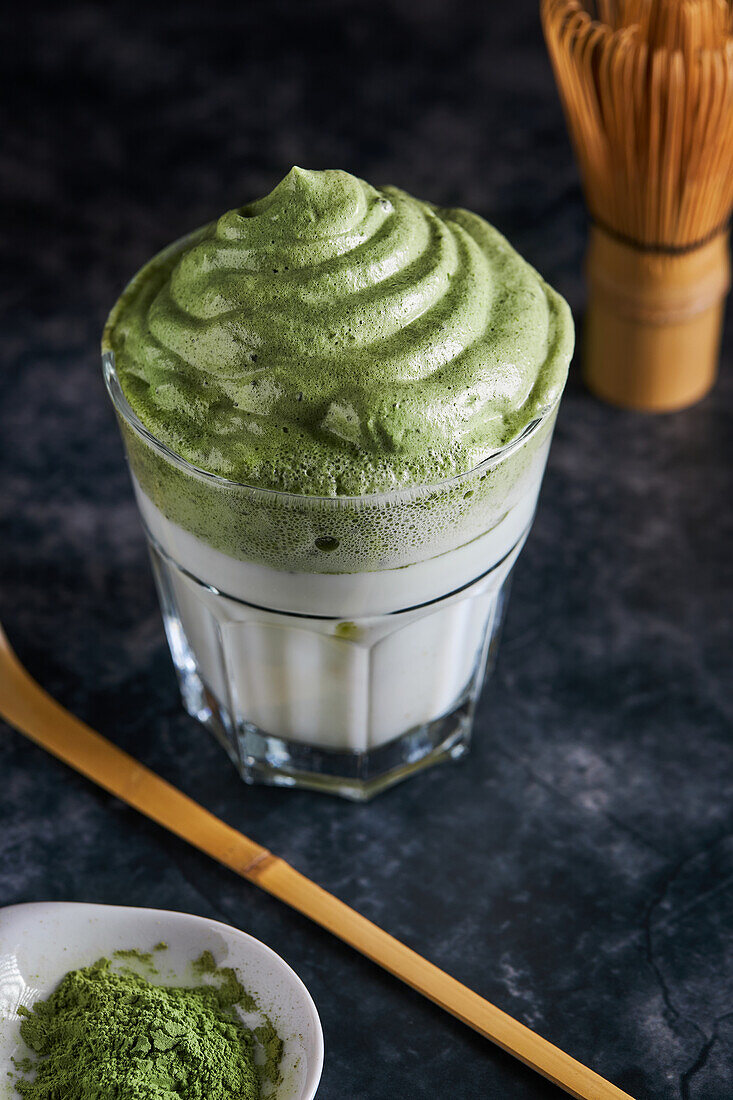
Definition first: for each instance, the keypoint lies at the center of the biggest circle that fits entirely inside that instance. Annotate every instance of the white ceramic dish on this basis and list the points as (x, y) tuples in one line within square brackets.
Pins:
[(40, 942)]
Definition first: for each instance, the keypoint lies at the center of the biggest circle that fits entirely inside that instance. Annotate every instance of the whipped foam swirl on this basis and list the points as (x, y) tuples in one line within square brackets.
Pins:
[(336, 339)]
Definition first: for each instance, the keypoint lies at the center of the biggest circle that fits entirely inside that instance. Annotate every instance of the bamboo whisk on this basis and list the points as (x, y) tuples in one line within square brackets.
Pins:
[(647, 90)]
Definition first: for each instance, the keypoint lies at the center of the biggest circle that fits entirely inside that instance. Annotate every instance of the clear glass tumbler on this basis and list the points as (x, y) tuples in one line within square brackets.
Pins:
[(335, 643)]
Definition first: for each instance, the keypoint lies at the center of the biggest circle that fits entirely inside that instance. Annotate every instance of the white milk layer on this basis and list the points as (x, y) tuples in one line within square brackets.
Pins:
[(340, 661)]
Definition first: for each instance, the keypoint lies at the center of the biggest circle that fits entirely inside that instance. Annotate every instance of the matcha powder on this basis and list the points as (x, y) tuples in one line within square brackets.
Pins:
[(112, 1035)]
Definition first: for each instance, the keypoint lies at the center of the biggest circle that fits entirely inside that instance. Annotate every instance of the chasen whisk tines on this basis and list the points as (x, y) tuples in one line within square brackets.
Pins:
[(647, 89)]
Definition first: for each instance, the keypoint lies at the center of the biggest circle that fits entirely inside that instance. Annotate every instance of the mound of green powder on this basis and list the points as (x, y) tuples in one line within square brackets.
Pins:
[(111, 1035)]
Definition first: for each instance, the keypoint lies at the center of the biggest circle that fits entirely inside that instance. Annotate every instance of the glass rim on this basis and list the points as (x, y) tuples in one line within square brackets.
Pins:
[(125, 410)]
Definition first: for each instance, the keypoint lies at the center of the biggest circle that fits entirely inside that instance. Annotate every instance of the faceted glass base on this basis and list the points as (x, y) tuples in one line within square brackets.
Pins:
[(240, 666), (261, 758)]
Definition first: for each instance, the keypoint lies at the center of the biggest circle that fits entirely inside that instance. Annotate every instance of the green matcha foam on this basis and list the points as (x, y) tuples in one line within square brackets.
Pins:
[(334, 339)]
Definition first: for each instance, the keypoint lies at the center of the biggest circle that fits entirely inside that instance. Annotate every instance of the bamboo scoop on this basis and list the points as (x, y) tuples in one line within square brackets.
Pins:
[(25, 705)]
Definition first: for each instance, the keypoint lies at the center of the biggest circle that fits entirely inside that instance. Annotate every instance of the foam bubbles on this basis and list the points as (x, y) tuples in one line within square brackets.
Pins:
[(335, 339)]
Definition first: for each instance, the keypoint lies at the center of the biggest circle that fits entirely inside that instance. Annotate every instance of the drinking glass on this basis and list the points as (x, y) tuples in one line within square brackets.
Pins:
[(334, 643)]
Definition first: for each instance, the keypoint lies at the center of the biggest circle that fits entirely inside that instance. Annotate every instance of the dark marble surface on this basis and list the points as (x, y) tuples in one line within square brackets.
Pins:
[(578, 867)]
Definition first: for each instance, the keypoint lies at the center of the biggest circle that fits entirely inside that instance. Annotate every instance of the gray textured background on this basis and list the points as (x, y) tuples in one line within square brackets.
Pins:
[(578, 867)]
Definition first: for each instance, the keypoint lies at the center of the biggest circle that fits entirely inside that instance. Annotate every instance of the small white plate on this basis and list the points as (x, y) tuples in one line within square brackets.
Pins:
[(39, 943)]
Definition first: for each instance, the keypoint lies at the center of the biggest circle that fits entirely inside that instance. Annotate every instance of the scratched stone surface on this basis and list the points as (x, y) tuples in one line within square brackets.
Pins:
[(577, 868)]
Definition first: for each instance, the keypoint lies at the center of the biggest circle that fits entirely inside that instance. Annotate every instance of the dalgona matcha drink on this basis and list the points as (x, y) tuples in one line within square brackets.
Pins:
[(337, 403)]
